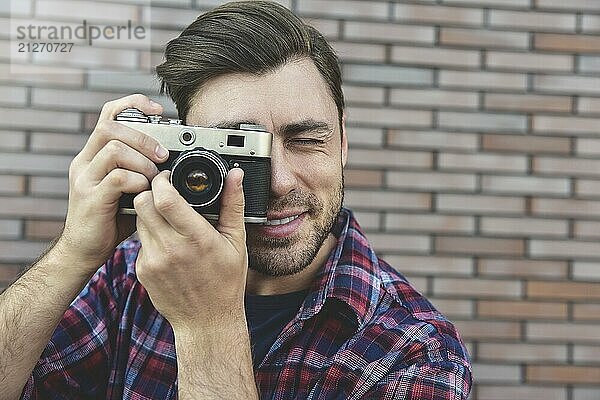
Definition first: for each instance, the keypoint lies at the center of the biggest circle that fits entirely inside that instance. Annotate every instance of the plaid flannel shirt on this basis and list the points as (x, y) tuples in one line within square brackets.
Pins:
[(362, 333)]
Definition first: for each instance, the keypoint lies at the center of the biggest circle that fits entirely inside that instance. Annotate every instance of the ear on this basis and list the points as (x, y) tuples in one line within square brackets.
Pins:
[(344, 141)]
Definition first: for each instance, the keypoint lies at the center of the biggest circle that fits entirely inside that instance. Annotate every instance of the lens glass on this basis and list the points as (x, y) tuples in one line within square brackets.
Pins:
[(197, 181)]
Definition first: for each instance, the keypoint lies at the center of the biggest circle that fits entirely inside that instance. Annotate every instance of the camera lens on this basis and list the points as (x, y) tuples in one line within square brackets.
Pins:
[(199, 176)]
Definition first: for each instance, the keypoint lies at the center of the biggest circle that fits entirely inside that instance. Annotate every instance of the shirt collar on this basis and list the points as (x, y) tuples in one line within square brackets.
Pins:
[(349, 274)]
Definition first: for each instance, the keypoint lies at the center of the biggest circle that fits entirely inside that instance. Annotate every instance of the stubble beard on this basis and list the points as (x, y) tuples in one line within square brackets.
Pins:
[(278, 257)]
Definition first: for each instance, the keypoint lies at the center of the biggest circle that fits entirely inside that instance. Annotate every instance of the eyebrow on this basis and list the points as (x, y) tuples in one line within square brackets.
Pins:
[(292, 129)]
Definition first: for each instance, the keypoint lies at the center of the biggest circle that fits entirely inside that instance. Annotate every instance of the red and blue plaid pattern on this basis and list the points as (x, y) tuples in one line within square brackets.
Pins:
[(362, 333)]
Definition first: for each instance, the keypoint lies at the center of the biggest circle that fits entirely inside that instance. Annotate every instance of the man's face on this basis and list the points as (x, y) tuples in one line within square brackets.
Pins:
[(308, 154)]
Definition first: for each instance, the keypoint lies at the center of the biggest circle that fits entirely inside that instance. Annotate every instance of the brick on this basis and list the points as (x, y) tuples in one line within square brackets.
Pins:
[(587, 229), (386, 200), (491, 3), (579, 5), (564, 332), (15, 8), (433, 140), (10, 229), (586, 312), (585, 393), (563, 290), (429, 223), (453, 308), (482, 80), (122, 81), (12, 140), (38, 119), (92, 57), (369, 220), (526, 144), (386, 74), (435, 56), (496, 373), (524, 226), (587, 146), (171, 17), (360, 9), (49, 185), (57, 142), (72, 99), (383, 242), (589, 354), (12, 184), (529, 61), (525, 185), (590, 23), (530, 21), (475, 204), (522, 103), (438, 14), (432, 265), (329, 28), (566, 43), (432, 181), (483, 38), (362, 178), (15, 207), (388, 158), (34, 163), (483, 162), (13, 96), (564, 249), (479, 245), (389, 33), (588, 105), (566, 125), (521, 352), (567, 84), (587, 188), (521, 310), (482, 121), (481, 330), (563, 374), (388, 117), (88, 10), (565, 207), (359, 52), (434, 98), (586, 271), (362, 94), (364, 136), (44, 230), (523, 268), (589, 64), (566, 166), (529, 392), (40, 75), (19, 251)]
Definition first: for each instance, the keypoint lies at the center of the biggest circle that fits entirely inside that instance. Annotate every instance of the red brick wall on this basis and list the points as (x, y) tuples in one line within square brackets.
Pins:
[(474, 128)]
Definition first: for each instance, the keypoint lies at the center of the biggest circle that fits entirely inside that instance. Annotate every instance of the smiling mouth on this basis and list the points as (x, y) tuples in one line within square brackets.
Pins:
[(282, 221)]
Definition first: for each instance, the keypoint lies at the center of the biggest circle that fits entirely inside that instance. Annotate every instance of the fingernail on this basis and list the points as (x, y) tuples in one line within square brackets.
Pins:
[(160, 151)]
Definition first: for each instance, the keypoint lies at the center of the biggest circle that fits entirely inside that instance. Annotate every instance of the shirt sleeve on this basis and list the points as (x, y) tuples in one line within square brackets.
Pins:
[(76, 361)]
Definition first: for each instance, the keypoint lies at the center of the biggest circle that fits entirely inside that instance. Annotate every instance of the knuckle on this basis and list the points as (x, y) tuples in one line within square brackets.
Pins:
[(145, 142), (117, 178), (114, 147), (142, 199)]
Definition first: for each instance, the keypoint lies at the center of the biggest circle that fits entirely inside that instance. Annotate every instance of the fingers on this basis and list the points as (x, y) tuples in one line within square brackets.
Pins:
[(116, 154), (139, 101), (147, 215), (108, 130), (119, 181), (231, 215)]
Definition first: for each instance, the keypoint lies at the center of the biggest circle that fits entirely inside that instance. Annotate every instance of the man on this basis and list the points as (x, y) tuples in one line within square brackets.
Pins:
[(299, 308)]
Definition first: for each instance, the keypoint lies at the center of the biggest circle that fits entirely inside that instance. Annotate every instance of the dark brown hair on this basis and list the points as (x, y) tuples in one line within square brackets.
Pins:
[(254, 37)]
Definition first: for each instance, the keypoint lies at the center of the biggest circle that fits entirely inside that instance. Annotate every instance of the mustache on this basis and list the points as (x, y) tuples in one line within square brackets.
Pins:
[(294, 199)]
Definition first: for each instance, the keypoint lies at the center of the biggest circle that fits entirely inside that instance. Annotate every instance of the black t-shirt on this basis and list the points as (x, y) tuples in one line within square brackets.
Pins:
[(267, 316)]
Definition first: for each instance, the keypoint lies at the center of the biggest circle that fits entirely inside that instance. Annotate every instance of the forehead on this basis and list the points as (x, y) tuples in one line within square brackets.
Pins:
[(296, 91)]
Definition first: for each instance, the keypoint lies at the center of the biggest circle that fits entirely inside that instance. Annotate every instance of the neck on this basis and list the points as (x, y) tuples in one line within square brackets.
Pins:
[(257, 283)]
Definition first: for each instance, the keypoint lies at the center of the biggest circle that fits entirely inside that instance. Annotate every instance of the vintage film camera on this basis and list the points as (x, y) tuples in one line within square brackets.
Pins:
[(200, 158)]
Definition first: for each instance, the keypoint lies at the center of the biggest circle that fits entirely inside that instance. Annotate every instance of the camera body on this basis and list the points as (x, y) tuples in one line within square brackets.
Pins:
[(200, 158)]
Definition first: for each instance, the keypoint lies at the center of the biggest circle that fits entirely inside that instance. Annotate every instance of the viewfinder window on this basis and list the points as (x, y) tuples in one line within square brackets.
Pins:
[(235, 140)]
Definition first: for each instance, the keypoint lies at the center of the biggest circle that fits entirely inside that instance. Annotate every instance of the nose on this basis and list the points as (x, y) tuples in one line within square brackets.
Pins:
[(283, 176)]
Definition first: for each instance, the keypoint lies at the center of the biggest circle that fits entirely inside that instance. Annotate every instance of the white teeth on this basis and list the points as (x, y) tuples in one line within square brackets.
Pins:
[(281, 221)]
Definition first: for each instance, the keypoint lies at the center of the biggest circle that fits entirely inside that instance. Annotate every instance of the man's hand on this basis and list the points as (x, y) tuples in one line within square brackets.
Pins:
[(115, 160), (195, 274)]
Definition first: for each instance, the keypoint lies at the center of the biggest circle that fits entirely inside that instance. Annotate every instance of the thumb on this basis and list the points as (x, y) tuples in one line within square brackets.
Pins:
[(231, 216)]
